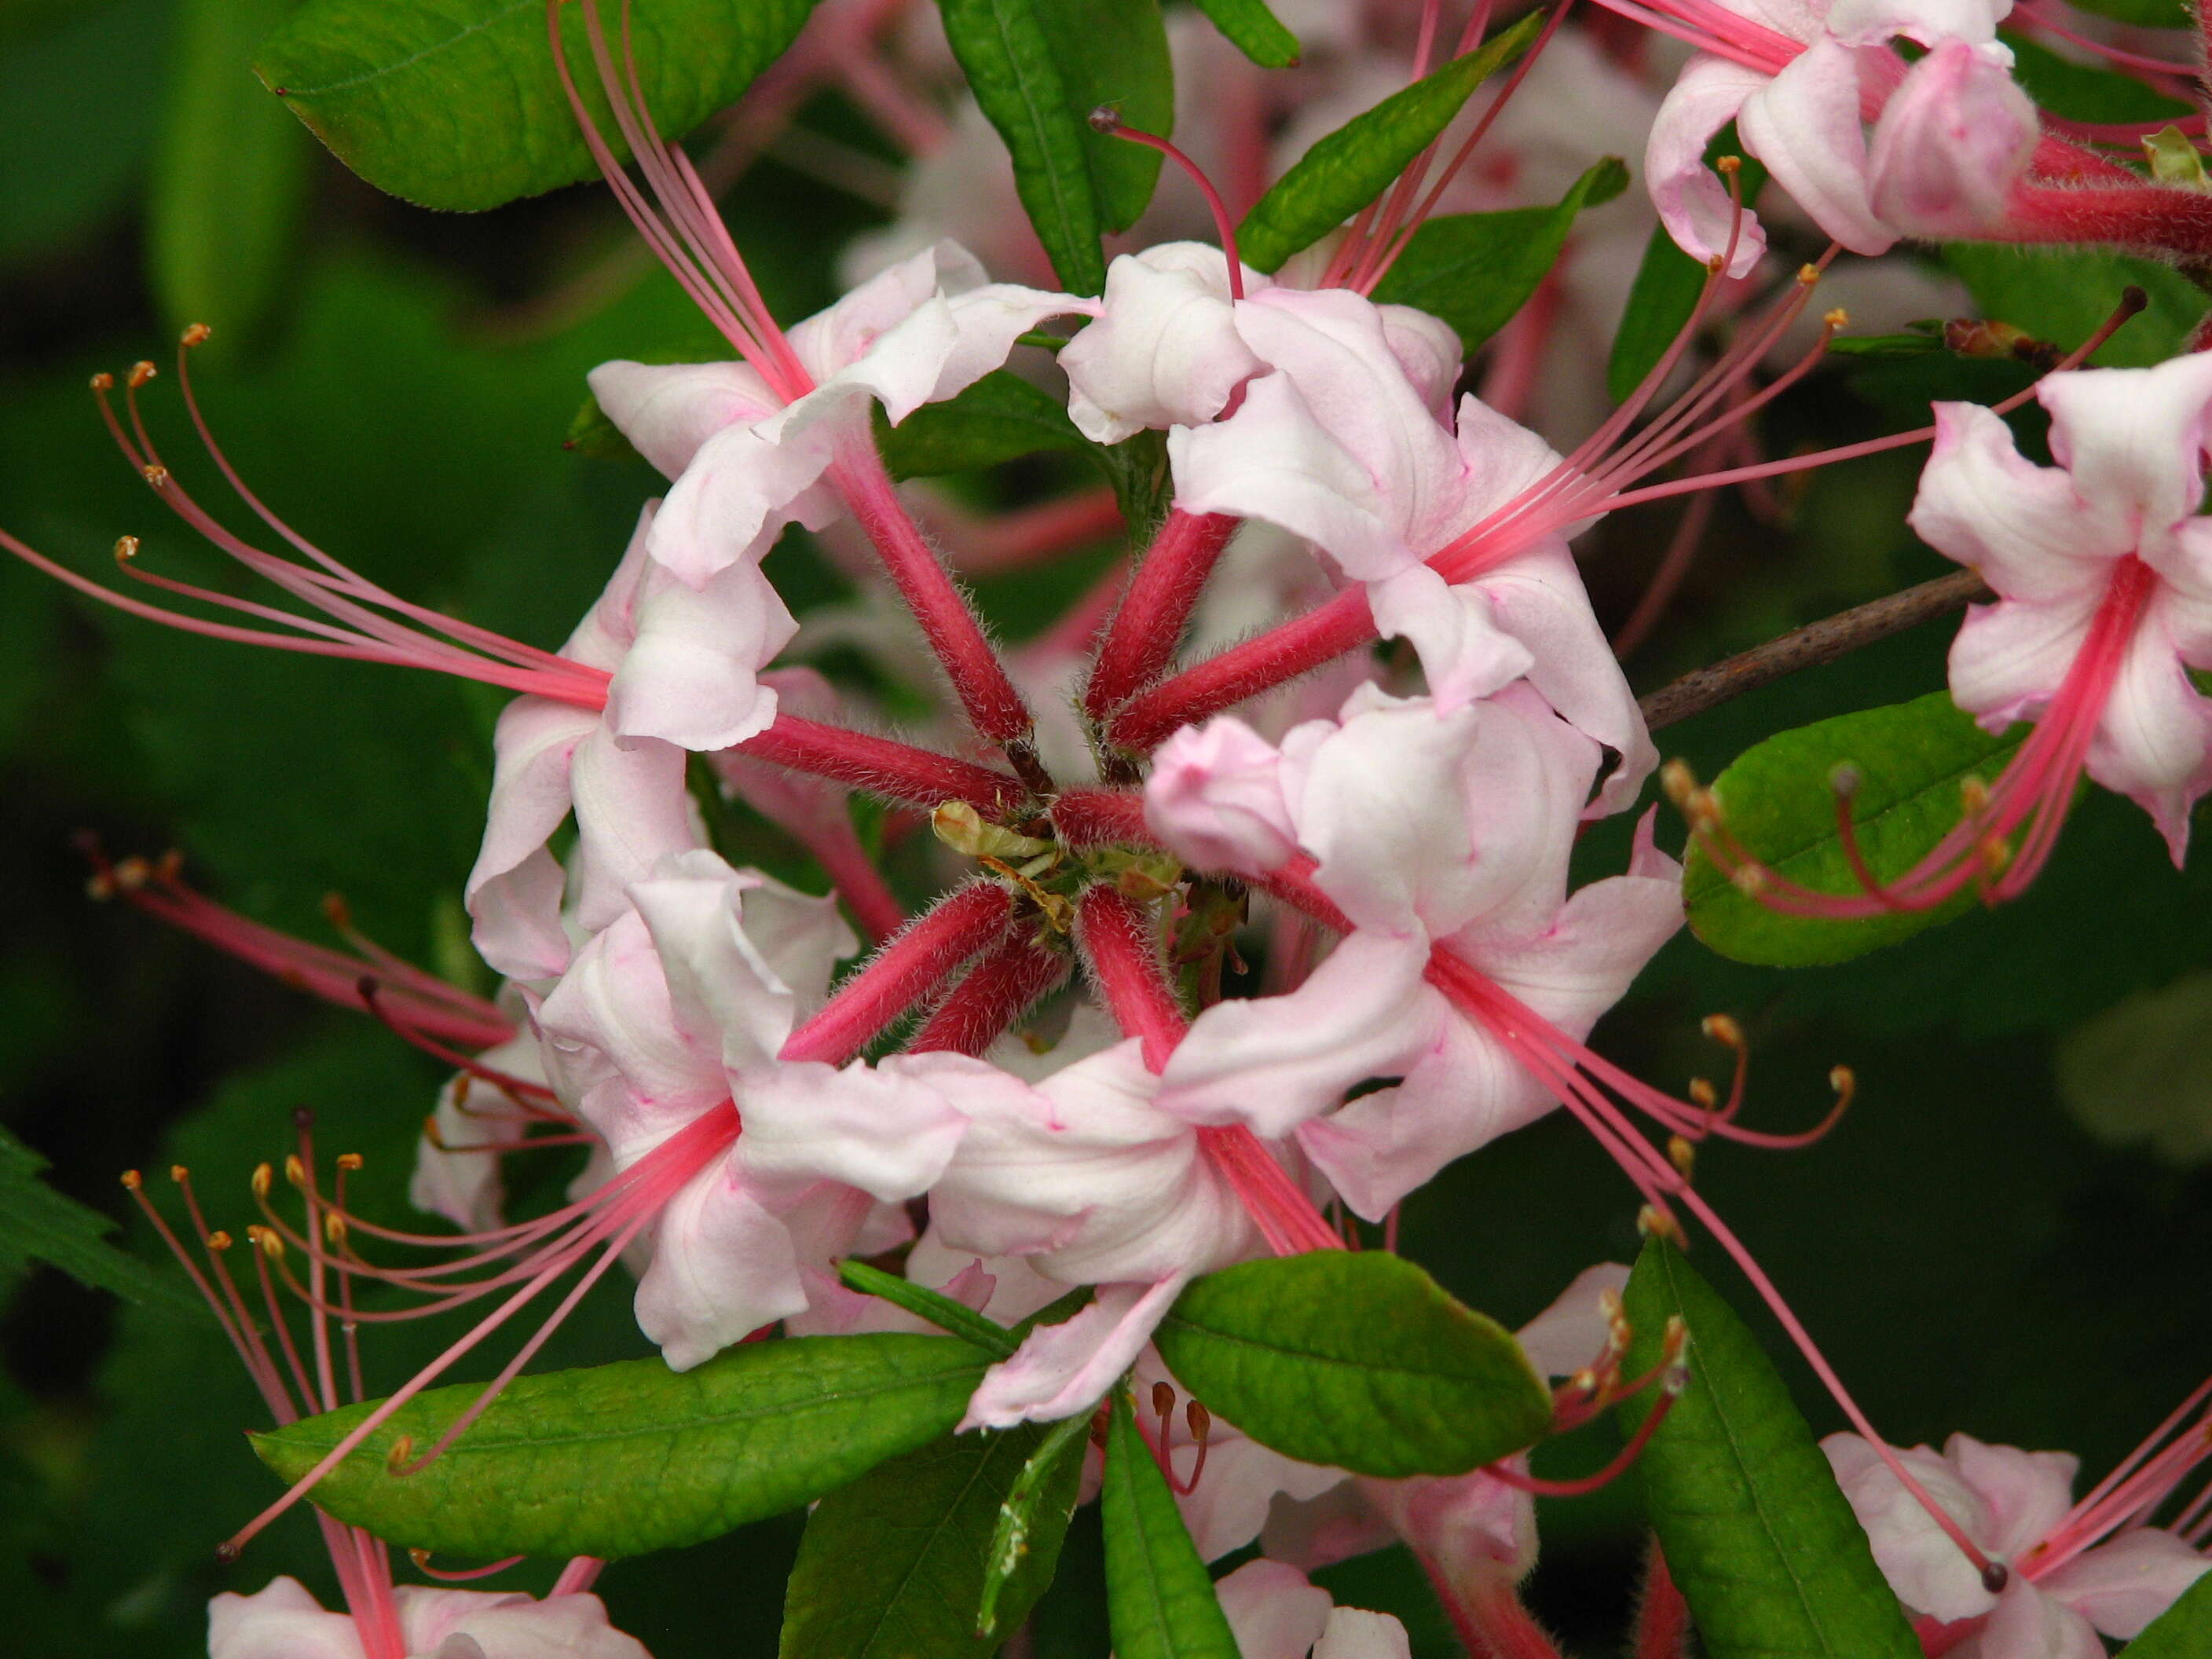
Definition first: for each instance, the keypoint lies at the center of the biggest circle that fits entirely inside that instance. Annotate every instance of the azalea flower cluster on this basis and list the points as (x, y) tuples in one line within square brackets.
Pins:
[(1058, 1074)]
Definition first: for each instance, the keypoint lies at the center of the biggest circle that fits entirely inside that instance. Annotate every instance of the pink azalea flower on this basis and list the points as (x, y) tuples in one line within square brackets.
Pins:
[(2070, 1571), (748, 443), (283, 1621), (1274, 1613)]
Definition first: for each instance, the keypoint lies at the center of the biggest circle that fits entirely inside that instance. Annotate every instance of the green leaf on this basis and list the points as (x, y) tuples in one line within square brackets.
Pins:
[(1665, 292), (1007, 54), (456, 104), (1255, 31), (2064, 295), (1002, 417), (1032, 1515), (2083, 92), (1114, 52), (1355, 164), (894, 1564), (618, 1460), (1476, 270), (939, 1309), (1159, 1600), (1757, 1533), (37, 1224), (229, 175), (1357, 1359), (2184, 1631), (1911, 758)]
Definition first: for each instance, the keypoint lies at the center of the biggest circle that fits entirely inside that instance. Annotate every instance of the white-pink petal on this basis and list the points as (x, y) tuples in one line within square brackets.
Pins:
[(1692, 201), (1805, 125)]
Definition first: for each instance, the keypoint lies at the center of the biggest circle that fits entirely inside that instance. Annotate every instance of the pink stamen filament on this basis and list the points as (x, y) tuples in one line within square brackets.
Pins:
[(1105, 120)]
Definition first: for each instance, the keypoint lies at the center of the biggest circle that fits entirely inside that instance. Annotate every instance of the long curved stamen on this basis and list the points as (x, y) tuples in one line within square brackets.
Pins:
[(1107, 120)]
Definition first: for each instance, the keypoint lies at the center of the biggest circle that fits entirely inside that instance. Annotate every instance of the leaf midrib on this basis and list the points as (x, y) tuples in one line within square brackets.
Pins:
[(431, 50)]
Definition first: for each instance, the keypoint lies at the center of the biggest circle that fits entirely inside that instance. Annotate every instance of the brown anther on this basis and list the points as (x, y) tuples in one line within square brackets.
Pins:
[(1199, 1420), (142, 372), (294, 1171), (1722, 1030), (1996, 1577), (1162, 1399), (339, 912), (420, 1558), (157, 476), (196, 335), (262, 1177), (395, 1462), (1714, 264), (1682, 1155), (1105, 118), (1702, 1092), (103, 382), (225, 1554), (132, 1181), (169, 864), (127, 548), (272, 1243), (218, 1240), (349, 1160)]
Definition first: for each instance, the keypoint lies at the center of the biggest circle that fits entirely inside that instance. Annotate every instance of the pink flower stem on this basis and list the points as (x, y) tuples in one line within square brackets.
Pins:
[(1662, 1618), (884, 766), (1490, 1623), (1146, 630), (2141, 217), (980, 681), (1100, 817), (915, 962), (1273, 658), (1001, 986)]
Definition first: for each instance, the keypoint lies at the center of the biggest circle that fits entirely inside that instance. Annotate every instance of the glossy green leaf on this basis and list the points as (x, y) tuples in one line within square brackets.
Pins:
[(896, 1564), (457, 104), (1114, 52), (1665, 292), (1008, 56), (938, 1309), (38, 1223), (2084, 92), (2064, 295), (1032, 1517), (229, 175), (2184, 1631), (1757, 1533), (617, 1460), (1255, 31), (1159, 1598), (1355, 164), (1000, 418), (1357, 1359), (1476, 270), (1911, 759)]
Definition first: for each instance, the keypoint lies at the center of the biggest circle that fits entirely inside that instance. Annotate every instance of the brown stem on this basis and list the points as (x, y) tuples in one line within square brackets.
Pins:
[(1809, 646)]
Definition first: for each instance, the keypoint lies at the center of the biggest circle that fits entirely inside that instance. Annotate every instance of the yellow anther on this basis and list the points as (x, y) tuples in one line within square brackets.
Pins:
[(349, 1160), (132, 1181), (157, 476), (334, 1227), (1730, 164), (180, 1174), (1844, 1080), (127, 548), (1656, 1223), (103, 382), (262, 1177), (1680, 782), (294, 1171), (130, 874), (1808, 275), (1751, 880), (142, 372), (1974, 795), (402, 1449), (1704, 1094), (1682, 1155), (1836, 316), (196, 335), (1722, 1030), (219, 1240)]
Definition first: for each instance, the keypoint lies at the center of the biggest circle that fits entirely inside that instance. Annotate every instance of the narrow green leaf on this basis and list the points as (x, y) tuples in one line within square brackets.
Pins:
[(1355, 164), (229, 175), (1759, 1536), (456, 104), (1911, 759), (618, 1460), (1359, 1360), (1002, 417), (1160, 1599), (939, 1309), (1032, 1517), (1476, 270), (1255, 31), (2062, 295), (1007, 55), (1116, 52), (894, 1564), (1665, 291), (2184, 1631), (37, 1224)]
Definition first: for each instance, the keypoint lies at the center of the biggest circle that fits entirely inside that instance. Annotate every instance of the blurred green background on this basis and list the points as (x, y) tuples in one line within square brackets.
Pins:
[(397, 384)]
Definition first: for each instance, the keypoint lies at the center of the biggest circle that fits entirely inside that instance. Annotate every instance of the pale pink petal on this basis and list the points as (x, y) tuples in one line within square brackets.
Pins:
[(2030, 1624), (840, 335), (450, 1180), (2153, 742), (718, 979), (1474, 1521), (443, 1623), (723, 1265), (1273, 1612), (1929, 1572), (1692, 201), (1585, 962), (2026, 528), (2024, 1494), (2182, 606), (692, 676), (1428, 350), (2134, 438), (281, 1621), (1952, 142), (1061, 1370), (633, 809), (1573, 1331), (1214, 797), (1503, 459), (2120, 1587), (1163, 350), (1320, 1531), (889, 1129), (801, 937), (1272, 1062), (744, 486), (667, 410), (1274, 460), (2009, 659), (1804, 125), (1355, 1633), (513, 893), (1930, 22), (1464, 653), (1243, 1481)]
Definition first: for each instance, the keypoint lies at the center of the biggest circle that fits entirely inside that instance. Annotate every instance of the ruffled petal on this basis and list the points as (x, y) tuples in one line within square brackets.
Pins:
[(2009, 659), (718, 979), (2134, 438), (1929, 1572), (1692, 201), (2154, 741), (1464, 653), (458, 1624), (280, 1622), (1804, 125), (723, 1265), (1164, 351), (888, 1129), (2024, 1494), (1273, 1612), (692, 677), (2120, 1587), (632, 810), (1930, 22), (1215, 798), (514, 892), (2033, 532), (1583, 963), (1952, 140), (2030, 1624), (667, 410), (1063, 1369), (1356, 1633), (1573, 1331), (746, 483)]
